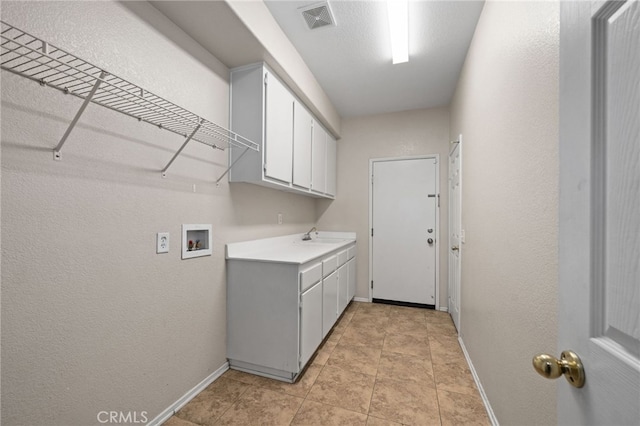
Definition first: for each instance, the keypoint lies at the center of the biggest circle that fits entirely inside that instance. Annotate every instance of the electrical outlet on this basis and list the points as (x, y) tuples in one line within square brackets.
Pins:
[(279, 218), (162, 242)]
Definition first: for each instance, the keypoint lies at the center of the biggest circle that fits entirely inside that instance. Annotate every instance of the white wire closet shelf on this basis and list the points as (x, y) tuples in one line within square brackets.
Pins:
[(37, 60)]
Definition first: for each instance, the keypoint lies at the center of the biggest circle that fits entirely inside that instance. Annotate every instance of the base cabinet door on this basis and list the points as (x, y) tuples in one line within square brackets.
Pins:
[(310, 322), (351, 265), (343, 288), (329, 302)]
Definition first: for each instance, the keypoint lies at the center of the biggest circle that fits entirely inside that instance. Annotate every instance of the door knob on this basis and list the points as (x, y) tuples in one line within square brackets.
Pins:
[(455, 248), (569, 364)]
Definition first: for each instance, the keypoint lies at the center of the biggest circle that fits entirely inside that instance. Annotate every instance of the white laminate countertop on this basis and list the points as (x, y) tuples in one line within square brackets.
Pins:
[(290, 248)]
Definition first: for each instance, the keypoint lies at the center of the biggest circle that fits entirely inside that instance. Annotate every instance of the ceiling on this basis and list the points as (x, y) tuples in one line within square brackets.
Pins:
[(352, 60)]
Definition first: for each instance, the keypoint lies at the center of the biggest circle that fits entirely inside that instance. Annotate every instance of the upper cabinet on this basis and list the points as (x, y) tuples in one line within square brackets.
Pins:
[(297, 154)]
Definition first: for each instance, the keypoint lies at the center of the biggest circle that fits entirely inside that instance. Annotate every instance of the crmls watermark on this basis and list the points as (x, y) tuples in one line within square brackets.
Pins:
[(118, 417)]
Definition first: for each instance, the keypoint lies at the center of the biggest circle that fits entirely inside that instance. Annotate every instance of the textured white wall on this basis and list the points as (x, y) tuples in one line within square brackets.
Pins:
[(407, 133), (92, 318), (506, 107)]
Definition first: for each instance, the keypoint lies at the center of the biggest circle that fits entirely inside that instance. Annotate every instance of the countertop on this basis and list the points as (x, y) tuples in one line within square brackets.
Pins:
[(290, 248)]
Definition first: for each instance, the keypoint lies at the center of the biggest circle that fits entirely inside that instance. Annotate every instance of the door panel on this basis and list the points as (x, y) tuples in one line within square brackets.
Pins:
[(455, 246), (278, 131), (404, 197), (302, 146), (319, 159), (311, 322), (599, 244), (329, 302)]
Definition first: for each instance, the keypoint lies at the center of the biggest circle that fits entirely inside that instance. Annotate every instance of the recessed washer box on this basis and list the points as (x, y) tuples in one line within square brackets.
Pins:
[(196, 241)]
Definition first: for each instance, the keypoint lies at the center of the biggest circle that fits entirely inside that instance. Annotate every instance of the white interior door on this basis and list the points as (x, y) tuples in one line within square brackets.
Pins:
[(455, 222), (404, 230), (599, 263)]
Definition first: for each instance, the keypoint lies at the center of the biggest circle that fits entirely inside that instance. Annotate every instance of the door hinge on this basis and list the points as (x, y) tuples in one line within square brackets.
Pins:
[(371, 283), (264, 167), (438, 200), (372, 232), (265, 78)]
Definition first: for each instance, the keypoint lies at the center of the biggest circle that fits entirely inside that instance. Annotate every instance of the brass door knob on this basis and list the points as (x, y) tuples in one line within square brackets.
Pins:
[(569, 364)]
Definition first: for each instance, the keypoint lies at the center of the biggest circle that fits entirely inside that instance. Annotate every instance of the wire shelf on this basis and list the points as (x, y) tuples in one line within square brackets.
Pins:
[(35, 59)]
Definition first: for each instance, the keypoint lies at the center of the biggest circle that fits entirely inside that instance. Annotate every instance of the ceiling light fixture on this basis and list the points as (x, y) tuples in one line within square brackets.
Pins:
[(398, 11)]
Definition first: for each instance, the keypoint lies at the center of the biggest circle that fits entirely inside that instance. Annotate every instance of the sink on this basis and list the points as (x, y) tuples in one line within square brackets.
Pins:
[(322, 241)]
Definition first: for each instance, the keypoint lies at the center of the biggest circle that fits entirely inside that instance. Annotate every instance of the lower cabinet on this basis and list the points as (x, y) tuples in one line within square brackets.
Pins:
[(351, 265), (311, 333), (329, 302), (343, 288)]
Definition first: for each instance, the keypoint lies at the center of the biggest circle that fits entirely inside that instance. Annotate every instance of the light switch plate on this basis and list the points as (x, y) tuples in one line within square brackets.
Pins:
[(162, 242)]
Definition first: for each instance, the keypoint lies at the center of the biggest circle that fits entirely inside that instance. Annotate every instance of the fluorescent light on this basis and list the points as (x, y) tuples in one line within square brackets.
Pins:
[(398, 11)]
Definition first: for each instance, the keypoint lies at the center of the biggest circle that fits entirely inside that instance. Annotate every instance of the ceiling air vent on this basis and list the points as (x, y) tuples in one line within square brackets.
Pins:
[(318, 15)]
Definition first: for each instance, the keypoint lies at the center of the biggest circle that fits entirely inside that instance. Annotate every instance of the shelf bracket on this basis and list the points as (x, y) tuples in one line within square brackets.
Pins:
[(231, 166), (56, 150), (164, 171)]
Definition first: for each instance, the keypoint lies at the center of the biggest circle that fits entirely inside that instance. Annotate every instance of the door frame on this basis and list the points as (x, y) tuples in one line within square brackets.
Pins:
[(437, 225), (450, 284)]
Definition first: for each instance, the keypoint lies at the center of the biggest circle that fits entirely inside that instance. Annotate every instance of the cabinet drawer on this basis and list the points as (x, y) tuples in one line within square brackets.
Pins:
[(351, 252), (329, 265), (310, 276), (342, 257)]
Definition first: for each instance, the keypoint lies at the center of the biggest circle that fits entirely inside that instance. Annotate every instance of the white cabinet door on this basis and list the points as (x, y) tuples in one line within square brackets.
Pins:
[(318, 159), (352, 279), (331, 165), (310, 322), (302, 128), (278, 147), (343, 288), (329, 302)]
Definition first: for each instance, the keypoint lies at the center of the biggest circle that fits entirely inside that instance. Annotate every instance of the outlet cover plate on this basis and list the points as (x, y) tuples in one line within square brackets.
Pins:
[(162, 242)]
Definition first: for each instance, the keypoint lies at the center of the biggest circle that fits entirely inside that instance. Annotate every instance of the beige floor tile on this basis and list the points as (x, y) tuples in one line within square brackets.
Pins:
[(213, 402), (374, 421), (361, 359), (377, 309), (443, 348), (368, 321), (447, 329), (407, 312), (406, 367), (460, 409), (301, 388), (454, 377), (342, 388), (177, 421), (437, 316), (409, 403), (406, 344), (241, 376), (372, 337), (407, 326), (314, 413), (262, 406)]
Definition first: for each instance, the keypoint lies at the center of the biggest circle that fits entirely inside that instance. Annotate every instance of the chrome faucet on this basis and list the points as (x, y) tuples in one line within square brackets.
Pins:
[(307, 236)]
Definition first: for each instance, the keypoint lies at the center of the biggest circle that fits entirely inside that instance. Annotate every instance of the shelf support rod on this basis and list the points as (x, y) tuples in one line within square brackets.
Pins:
[(164, 171), (56, 150), (232, 164)]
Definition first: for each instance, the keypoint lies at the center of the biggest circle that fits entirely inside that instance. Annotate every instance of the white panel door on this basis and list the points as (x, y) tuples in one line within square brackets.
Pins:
[(278, 147), (599, 242), (310, 322), (403, 242), (319, 159), (302, 128), (455, 220), (329, 302)]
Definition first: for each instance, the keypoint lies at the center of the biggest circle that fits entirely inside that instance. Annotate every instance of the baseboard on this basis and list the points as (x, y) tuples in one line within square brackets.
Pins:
[(184, 399), (444, 309), (361, 299), (485, 400)]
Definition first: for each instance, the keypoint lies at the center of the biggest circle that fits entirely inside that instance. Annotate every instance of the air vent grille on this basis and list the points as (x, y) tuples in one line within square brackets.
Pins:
[(318, 15)]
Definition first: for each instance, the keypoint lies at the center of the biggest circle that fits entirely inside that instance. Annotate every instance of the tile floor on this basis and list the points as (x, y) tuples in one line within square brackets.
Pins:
[(381, 365)]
